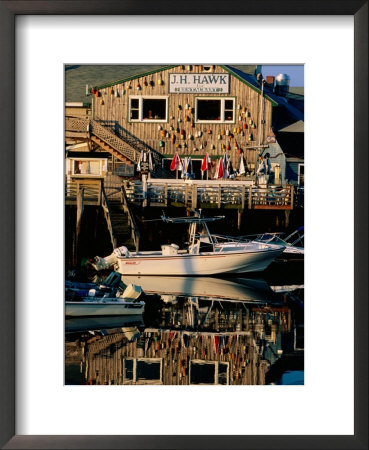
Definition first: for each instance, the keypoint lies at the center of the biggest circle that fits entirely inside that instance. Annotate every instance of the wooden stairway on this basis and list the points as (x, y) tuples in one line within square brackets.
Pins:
[(124, 146), (121, 226)]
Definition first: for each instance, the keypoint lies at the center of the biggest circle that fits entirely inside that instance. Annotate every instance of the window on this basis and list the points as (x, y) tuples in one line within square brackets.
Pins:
[(209, 372), (143, 370), (148, 109), (89, 167), (210, 109)]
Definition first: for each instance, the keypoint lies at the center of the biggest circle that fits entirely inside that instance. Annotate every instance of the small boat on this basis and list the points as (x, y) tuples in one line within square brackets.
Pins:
[(205, 254), (109, 299)]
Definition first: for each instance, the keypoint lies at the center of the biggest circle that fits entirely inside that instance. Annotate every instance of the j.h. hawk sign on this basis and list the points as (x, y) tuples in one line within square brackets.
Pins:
[(217, 83)]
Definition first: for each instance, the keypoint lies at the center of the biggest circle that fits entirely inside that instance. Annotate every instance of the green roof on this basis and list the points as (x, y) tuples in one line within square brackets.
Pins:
[(95, 75)]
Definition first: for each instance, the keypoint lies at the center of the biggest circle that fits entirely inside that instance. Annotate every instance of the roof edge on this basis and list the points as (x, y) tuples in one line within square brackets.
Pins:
[(133, 77), (229, 70)]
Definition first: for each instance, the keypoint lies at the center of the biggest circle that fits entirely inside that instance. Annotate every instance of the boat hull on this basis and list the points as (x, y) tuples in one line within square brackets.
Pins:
[(151, 263), (88, 308)]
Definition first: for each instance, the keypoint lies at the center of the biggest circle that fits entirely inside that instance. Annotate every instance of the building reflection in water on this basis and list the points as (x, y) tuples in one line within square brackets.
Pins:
[(190, 340)]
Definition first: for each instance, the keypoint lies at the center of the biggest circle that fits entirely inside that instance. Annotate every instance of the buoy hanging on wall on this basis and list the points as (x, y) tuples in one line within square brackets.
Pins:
[(101, 102), (219, 136), (145, 82), (160, 82), (112, 91), (138, 87), (161, 143)]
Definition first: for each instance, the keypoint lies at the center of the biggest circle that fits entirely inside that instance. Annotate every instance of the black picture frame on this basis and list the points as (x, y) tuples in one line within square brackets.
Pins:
[(8, 11)]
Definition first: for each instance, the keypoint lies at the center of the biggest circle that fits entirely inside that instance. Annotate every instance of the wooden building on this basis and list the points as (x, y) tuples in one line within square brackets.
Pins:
[(189, 109)]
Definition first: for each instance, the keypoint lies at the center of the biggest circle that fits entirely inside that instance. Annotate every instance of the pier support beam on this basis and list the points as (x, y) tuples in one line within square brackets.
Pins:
[(239, 218), (287, 217), (80, 206)]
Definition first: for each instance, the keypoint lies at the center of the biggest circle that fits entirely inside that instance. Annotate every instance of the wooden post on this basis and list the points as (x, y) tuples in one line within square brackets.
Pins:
[(219, 196), (194, 196), (80, 195), (239, 218), (166, 194), (144, 189), (292, 191), (287, 217), (250, 196), (243, 197), (186, 194)]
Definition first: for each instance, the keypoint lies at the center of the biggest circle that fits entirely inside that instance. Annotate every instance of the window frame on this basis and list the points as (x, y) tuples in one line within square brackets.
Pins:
[(140, 99), (103, 162), (222, 109)]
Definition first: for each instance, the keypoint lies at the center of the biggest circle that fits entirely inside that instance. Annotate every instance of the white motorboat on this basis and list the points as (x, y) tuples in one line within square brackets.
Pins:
[(206, 254), (101, 303), (110, 306)]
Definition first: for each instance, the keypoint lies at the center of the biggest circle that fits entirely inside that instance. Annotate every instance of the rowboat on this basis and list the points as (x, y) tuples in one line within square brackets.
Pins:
[(205, 254)]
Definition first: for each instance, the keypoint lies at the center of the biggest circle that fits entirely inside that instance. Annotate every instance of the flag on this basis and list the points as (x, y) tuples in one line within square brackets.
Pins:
[(150, 161), (219, 171), (242, 169), (176, 163), (225, 166), (139, 162), (187, 168), (206, 163)]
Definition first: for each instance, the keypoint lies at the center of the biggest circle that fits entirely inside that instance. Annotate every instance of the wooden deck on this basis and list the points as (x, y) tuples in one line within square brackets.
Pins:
[(210, 194)]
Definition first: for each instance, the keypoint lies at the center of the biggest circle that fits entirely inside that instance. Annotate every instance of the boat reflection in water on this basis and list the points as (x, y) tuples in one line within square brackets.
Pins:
[(196, 331)]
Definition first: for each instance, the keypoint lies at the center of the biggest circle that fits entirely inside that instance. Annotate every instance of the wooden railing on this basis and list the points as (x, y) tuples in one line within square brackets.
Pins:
[(211, 194), (135, 234), (91, 188), (107, 213)]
